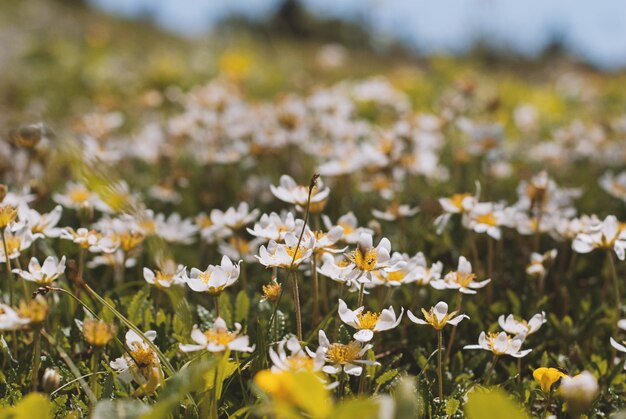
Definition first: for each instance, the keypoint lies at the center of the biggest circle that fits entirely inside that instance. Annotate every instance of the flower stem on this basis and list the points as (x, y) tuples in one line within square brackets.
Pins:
[(618, 301), (316, 301), (296, 301), (216, 301), (7, 264), (361, 294), (95, 361), (439, 371), (36, 358), (342, 383), (453, 334), (490, 370)]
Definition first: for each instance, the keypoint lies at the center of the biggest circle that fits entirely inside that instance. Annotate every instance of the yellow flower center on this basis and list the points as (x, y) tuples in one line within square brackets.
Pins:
[(144, 357), (7, 215), (464, 279), (271, 291), (339, 353), (347, 228), (220, 336), (148, 225), (396, 276), (98, 332), (14, 244), (365, 261), (432, 319), (79, 195), (291, 251), (491, 340), (457, 199), (241, 245), (300, 362), (488, 219), (368, 319), (129, 240)]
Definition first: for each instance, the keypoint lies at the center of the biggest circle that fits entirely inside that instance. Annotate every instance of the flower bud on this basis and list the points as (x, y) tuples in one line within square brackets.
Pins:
[(51, 380)]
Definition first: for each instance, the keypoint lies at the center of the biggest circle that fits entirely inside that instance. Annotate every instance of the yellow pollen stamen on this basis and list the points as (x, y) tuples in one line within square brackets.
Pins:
[(339, 353), (368, 319)]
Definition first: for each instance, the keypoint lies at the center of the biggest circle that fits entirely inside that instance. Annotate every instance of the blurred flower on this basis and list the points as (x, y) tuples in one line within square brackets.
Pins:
[(90, 239), (141, 364), (271, 291), (36, 309), (614, 185), (298, 359), (395, 211), (218, 338), (607, 234), (539, 263), (98, 333), (579, 391), (289, 191), (10, 319), (77, 196), (350, 225), (43, 275), (366, 258), (169, 274), (522, 327)]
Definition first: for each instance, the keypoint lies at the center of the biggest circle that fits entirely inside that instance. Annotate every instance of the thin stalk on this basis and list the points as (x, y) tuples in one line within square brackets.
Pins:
[(361, 294), (36, 358), (7, 264), (489, 270), (490, 370), (618, 301), (548, 400), (216, 301), (316, 297), (342, 383), (296, 301), (95, 361), (453, 333), (439, 369), (337, 322)]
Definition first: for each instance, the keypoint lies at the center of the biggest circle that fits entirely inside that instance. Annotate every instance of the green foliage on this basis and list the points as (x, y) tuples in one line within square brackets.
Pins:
[(492, 403), (32, 405)]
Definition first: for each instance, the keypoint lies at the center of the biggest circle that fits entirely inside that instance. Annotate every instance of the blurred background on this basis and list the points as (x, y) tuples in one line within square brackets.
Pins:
[(61, 58)]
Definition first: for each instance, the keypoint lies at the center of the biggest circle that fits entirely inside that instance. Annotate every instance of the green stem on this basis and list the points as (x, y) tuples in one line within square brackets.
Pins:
[(36, 358), (316, 301), (95, 361), (453, 334), (361, 294), (216, 301), (618, 301), (7, 264), (296, 301), (439, 370), (490, 370)]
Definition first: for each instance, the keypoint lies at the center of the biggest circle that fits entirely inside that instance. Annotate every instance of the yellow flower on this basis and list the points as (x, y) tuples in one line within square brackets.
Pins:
[(98, 332), (546, 377), (276, 385), (8, 213), (271, 291)]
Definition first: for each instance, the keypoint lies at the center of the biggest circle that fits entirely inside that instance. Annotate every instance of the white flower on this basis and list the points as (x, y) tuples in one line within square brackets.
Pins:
[(367, 322), (579, 391), (10, 320), (141, 364), (45, 224), (346, 357), (282, 255), (405, 270), (90, 239), (605, 235), (521, 327), (289, 191), (215, 278), (438, 316), (462, 279), (274, 226), (169, 274), (218, 338), (325, 242), (17, 241), (77, 196), (614, 185), (619, 347), (394, 212), (366, 258), (350, 225), (43, 275), (175, 229), (539, 263), (500, 344), (486, 217), (233, 219), (298, 359)]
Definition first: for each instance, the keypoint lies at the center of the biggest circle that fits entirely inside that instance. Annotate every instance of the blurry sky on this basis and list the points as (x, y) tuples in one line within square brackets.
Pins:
[(592, 29)]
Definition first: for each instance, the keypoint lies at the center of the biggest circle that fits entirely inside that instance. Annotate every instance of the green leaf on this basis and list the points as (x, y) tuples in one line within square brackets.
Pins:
[(492, 403), (227, 369), (226, 308), (33, 405), (386, 377), (452, 405), (356, 408), (122, 409), (242, 306)]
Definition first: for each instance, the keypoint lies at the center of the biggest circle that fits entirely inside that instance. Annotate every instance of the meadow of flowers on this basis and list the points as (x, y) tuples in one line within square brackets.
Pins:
[(372, 247)]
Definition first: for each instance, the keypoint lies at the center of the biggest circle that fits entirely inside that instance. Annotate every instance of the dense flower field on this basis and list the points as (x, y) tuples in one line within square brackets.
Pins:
[(413, 244)]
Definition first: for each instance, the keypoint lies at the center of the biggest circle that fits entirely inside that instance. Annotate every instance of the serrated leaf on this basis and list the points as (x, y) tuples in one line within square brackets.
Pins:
[(386, 377), (452, 405), (242, 306)]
